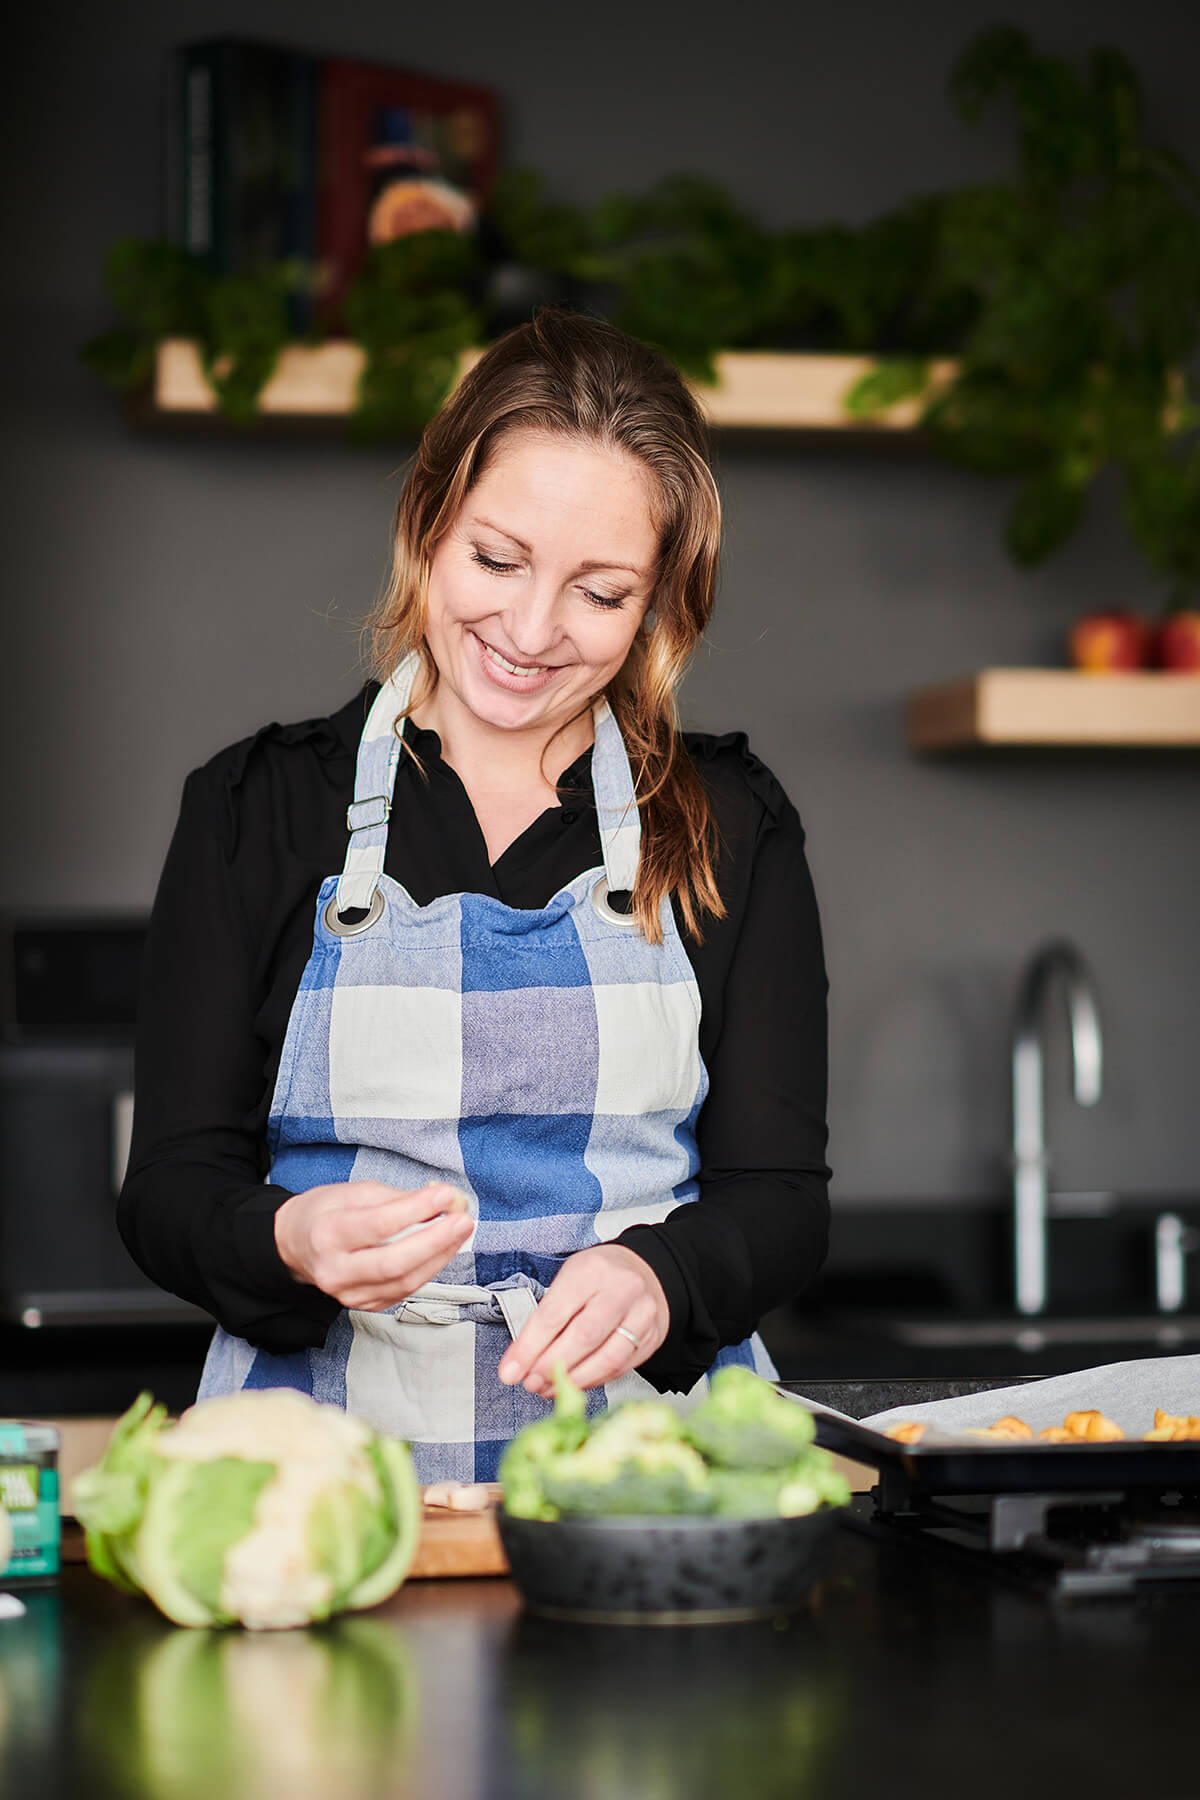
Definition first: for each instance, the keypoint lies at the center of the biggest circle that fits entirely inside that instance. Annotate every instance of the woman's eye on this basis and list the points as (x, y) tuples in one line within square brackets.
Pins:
[(496, 567)]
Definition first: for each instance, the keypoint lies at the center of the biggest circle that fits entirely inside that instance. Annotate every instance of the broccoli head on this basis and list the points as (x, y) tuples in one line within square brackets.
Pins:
[(744, 1424), (744, 1452)]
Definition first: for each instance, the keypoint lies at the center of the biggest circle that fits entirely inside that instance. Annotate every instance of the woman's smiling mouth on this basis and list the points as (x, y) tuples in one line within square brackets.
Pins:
[(513, 675)]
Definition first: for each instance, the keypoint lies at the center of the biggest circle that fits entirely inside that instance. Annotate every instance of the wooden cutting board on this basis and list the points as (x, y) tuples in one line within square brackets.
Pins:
[(458, 1543)]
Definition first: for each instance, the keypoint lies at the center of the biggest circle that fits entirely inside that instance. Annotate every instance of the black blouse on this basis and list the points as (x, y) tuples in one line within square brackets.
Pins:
[(263, 824)]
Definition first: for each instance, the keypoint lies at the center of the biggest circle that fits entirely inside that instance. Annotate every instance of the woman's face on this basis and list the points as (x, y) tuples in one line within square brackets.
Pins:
[(537, 590)]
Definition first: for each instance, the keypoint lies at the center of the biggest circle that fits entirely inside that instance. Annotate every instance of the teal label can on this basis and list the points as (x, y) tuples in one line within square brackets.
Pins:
[(29, 1495)]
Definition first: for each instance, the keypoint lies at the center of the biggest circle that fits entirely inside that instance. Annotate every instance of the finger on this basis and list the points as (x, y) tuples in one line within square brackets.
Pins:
[(617, 1356), (369, 1227), (563, 1298), (370, 1288), (398, 1258), (594, 1358), (378, 1193), (582, 1334)]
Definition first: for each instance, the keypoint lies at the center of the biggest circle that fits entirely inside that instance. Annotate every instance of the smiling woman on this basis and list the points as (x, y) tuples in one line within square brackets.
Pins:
[(538, 1078)]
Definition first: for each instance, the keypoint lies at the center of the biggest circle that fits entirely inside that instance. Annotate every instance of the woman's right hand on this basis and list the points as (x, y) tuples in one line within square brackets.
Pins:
[(335, 1237)]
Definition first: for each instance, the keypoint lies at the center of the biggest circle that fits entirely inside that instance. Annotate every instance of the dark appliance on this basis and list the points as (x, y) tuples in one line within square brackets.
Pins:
[(68, 988), (1069, 1521)]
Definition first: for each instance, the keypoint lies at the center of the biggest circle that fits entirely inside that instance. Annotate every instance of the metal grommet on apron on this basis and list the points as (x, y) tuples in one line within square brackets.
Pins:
[(604, 907), (351, 928), (543, 1063)]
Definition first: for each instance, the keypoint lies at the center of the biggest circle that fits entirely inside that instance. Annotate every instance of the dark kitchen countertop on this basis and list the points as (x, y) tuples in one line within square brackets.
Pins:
[(908, 1676)]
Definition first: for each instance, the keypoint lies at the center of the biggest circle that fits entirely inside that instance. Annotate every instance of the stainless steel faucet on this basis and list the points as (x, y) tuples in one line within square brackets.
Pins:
[(1031, 1158), (1172, 1242)]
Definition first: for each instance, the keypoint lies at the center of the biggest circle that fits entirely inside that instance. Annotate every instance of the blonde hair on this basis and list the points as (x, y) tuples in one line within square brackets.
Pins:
[(569, 375)]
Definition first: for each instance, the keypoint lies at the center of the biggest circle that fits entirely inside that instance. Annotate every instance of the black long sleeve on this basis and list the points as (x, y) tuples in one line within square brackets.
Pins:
[(759, 1230), (261, 825)]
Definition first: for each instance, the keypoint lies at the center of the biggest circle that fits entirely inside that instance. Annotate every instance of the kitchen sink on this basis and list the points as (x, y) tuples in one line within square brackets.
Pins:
[(1139, 1335)]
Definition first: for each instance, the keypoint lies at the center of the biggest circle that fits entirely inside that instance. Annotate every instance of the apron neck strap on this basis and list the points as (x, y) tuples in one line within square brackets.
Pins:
[(616, 802), (367, 815), (379, 752)]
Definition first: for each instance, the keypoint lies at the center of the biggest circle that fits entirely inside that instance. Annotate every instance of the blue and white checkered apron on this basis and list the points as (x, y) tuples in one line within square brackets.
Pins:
[(546, 1062)]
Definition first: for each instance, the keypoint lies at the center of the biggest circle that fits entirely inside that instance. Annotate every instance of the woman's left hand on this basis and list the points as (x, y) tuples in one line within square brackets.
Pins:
[(576, 1323)]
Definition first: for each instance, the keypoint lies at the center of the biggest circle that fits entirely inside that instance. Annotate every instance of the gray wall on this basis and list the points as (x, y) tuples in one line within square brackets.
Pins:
[(167, 596)]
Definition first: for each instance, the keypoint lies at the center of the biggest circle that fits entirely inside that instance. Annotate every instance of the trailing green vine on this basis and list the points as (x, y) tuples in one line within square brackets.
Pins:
[(1084, 277), (1069, 297), (413, 308), (240, 322)]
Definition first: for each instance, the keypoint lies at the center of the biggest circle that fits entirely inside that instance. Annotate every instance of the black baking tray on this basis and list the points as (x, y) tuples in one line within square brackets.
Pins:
[(1016, 1467)]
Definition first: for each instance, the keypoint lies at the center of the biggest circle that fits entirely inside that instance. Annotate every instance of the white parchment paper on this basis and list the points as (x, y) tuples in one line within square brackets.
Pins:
[(1126, 1392)]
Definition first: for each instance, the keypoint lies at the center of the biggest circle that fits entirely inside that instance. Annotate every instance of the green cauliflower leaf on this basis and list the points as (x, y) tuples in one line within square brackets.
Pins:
[(110, 1499), (194, 1514)]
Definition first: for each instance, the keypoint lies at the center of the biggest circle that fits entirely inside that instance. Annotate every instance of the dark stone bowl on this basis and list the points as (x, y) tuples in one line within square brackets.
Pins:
[(666, 1571)]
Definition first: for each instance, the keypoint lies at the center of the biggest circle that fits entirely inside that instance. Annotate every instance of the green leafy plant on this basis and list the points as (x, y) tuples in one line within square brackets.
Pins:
[(686, 269), (239, 322), (1083, 278), (413, 309)]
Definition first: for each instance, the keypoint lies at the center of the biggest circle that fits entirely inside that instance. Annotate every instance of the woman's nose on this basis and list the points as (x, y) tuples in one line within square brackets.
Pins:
[(533, 620)]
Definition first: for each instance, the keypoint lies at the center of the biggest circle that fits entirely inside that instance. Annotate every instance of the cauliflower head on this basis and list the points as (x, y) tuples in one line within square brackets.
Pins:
[(261, 1508)]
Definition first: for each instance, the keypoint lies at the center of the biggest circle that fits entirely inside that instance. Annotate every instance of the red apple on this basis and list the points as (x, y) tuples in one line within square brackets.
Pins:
[(1110, 640), (1179, 642)]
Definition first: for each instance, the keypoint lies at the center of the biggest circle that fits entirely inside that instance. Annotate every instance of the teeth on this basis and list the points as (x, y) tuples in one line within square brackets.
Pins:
[(513, 668)]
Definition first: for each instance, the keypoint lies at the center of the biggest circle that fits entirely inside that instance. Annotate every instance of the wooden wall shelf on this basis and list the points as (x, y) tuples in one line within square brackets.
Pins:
[(1057, 707), (758, 390)]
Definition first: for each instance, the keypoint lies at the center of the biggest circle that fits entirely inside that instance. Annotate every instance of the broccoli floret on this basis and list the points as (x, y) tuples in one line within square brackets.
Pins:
[(636, 1424), (538, 1446), (523, 1463), (744, 1424), (830, 1483), (812, 1481), (635, 1460), (609, 1476), (747, 1495)]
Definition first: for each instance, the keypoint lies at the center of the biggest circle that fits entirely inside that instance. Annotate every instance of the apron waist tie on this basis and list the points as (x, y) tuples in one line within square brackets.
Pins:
[(443, 1303)]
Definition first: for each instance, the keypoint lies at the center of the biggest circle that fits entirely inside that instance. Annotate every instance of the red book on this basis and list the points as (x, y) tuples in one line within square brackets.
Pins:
[(398, 152)]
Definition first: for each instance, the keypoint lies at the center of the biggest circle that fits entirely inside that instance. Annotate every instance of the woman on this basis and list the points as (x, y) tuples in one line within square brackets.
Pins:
[(570, 969)]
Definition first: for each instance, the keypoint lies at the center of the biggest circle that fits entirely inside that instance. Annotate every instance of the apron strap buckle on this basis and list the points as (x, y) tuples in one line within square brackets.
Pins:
[(368, 813)]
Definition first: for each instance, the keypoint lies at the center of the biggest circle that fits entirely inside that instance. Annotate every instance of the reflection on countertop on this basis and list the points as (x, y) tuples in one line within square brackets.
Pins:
[(906, 1674)]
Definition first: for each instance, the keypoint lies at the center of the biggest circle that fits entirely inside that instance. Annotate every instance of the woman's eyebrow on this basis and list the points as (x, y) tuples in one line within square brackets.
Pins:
[(512, 537), (581, 568)]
